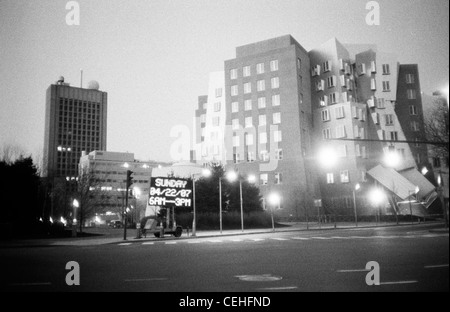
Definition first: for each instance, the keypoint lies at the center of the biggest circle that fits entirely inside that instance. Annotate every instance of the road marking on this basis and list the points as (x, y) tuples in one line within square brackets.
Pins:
[(146, 279), (436, 266), (124, 244), (337, 237), (171, 243), (318, 237), (236, 240), (215, 241), (259, 278), (279, 288), (354, 270), (279, 238), (398, 282), (301, 238), (194, 242), (148, 243), (31, 284), (258, 239)]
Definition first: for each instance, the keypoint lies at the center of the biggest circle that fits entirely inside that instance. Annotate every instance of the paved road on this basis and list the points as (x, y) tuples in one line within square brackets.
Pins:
[(411, 258)]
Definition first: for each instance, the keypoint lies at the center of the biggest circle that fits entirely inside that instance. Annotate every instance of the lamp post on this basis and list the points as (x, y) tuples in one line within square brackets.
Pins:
[(233, 176), (410, 193), (205, 173), (76, 205), (274, 200), (357, 187), (377, 197)]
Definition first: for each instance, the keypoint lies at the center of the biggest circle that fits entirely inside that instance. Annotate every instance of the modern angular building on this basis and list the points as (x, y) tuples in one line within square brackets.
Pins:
[(348, 105)]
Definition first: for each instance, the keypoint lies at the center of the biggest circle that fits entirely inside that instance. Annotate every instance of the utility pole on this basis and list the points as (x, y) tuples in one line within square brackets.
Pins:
[(129, 182)]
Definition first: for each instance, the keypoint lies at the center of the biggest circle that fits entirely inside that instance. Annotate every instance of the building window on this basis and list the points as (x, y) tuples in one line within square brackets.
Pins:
[(386, 69), (299, 64), (320, 85), (261, 102), (394, 135), (262, 137), (248, 122), (264, 155), (409, 78), (262, 120), (275, 82), (261, 85), (277, 136), (373, 68), (345, 176), (326, 66), (325, 115), (342, 150), (248, 105), (236, 141), (202, 119), (380, 103), (235, 124), (340, 132), (279, 154), (218, 92), (276, 100), (217, 106), (414, 126), (436, 162), (249, 139), (389, 119), (315, 70), (251, 157), (339, 112), (361, 69), (274, 65), (412, 110), (276, 118), (386, 86), (331, 81), (247, 71), (326, 133), (373, 84), (411, 94), (233, 73), (216, 121), (278, 178), (235, 107), (263, 178), (236, 158), (247, 88), (260, 68), (234, 90), (330, 178), (334, 98), (323, 100)]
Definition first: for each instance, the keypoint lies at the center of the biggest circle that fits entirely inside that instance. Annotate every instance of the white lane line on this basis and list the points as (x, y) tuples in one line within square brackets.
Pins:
[(398, 282), (318, 237), (436, 266), (337, 237), (145, 279), (215, 241), (148, 243), (124, 244), (195, 242), (301, 238), (279, 238), (236, 240), (171, 243), (351, 271), (258, 239), (31, 284), (279, 288)]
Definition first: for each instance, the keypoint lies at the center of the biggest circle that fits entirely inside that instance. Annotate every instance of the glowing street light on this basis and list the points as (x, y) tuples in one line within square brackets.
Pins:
[(327, 157), (392, 158), (424, 170), (274, 200), (232, 176), (377, 197), (251, 178)]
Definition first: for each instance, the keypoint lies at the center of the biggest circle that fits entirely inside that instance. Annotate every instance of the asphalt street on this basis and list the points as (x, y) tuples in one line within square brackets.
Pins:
[(410, 258)]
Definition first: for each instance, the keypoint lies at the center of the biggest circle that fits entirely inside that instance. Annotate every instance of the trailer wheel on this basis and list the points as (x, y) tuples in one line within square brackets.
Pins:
[(178, 232)]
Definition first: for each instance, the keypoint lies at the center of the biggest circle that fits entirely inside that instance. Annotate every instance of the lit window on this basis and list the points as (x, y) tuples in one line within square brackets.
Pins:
[(344, 176), (260, 68), (248, 105), (235, 124), (277, 136), (249, 139), (275, 82), (276, 118), (248, 122), (262, 138), (235, 107), (276, 100), (236, 141), (330, 178), (274, 65), (247, 87), (261, 85), (262, 120), (323, 100), (233, 73), (262, 102), (234, 90), (247, 71)]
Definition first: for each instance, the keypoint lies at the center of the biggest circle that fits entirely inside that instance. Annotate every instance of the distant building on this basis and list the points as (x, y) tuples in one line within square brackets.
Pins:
[(106, 173)]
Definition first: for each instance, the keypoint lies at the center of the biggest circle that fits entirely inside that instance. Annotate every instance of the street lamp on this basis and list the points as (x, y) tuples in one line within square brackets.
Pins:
[(410, 193), (327, 157), (357, 187), (274, 200), (75, 204), (231, 177), (205, 173), (377, 197), (392, 158)]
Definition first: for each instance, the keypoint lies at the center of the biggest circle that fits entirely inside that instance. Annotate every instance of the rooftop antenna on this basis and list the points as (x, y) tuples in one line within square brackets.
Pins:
[(81, 83)]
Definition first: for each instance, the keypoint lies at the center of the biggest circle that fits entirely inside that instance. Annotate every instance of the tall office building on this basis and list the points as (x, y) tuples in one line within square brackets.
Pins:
[(75, 121)]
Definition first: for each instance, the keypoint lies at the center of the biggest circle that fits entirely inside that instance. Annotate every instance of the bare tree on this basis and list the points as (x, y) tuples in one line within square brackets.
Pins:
[(10, 153), (437, 127)]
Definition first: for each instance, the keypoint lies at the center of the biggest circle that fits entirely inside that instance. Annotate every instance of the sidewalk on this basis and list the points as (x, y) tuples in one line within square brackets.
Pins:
[(117, 237)]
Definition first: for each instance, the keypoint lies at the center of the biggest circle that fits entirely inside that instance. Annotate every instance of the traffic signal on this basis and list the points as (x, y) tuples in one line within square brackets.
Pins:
[(129, 178)]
